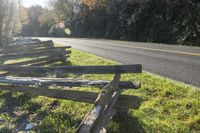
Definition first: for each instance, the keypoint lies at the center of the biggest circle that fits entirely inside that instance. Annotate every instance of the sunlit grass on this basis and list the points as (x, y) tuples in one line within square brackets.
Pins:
[(168, 106), (17, 61)]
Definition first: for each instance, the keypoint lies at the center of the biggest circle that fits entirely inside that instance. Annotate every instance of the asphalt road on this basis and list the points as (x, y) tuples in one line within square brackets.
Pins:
[(179, 63)]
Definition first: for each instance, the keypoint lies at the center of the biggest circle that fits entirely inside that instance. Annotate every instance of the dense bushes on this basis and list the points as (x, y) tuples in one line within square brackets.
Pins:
[(160, 21)]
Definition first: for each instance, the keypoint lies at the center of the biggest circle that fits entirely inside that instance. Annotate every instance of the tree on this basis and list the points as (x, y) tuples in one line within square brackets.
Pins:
[(160, 21), (30, 20), (47, 19), (65, 9), (22, 20), (8, 9)]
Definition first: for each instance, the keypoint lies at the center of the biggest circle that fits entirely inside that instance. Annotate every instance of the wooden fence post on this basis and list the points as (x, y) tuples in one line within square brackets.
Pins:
[(102, 110)]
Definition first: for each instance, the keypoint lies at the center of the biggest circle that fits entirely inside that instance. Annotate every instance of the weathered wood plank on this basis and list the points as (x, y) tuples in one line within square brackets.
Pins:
[(33, 61), (102, 110), (29, 46), (32, 50), (47, 62), (65, 82), (54, 50), (33, 43), (33, 55), (76, 69), (124, 101), (22, 49)]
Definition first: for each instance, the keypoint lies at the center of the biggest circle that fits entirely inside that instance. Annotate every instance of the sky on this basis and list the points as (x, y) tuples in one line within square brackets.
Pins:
[(28, 3)]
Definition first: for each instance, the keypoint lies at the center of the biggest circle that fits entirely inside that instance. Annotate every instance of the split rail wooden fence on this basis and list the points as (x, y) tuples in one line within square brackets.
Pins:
[(106, 103), (40, 53)]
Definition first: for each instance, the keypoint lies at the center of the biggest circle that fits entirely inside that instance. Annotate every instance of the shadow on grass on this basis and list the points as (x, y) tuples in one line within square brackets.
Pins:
[(125, 123), (11, 100), (22, 110), (5, 130), (39, 74), (55, 122), (17, 106)]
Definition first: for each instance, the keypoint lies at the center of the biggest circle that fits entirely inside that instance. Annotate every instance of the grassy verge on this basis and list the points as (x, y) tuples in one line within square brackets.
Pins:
[(168, 106)]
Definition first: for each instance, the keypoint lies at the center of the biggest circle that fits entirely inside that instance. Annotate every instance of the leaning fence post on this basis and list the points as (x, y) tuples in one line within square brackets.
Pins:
[(102, 110)]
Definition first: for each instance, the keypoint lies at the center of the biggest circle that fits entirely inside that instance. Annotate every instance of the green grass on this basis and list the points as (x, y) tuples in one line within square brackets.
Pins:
[(168, 106)]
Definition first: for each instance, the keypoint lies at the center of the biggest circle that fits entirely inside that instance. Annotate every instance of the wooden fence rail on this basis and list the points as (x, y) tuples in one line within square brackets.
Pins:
[(39, 60), (65, 82), (124, 101), (27, 50), (32, 55), (40, 43), (106, 103), (76, 69), (40, 49), (44, 44), (103, 107)]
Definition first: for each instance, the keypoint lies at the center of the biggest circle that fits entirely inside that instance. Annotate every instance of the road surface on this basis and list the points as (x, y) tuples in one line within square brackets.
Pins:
[(180, 63)]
